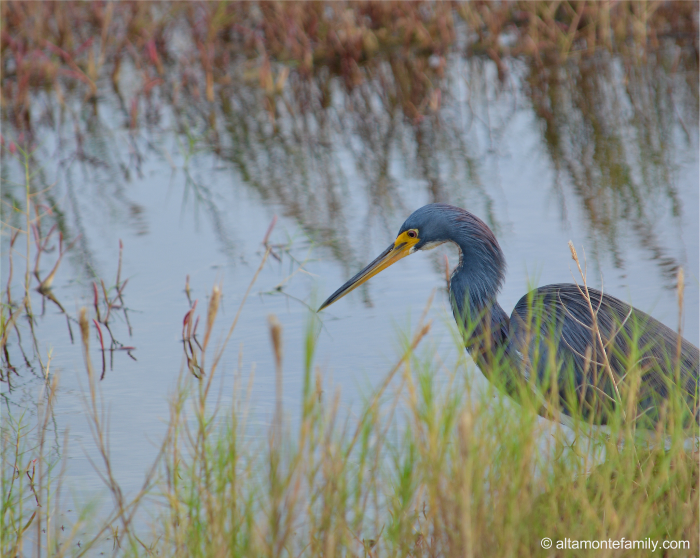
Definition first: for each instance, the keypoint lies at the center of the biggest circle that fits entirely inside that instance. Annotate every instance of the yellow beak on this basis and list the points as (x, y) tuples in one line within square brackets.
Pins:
[(400, 249)]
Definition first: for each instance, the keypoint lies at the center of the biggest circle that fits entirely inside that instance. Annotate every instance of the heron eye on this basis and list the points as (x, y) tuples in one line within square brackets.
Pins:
[(412, 233)]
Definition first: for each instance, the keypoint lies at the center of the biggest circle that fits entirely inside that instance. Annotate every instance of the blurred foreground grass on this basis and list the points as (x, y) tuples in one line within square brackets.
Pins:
[(433, 465)]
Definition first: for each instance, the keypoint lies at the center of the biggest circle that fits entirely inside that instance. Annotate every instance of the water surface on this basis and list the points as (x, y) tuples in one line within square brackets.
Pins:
[(594, 153)]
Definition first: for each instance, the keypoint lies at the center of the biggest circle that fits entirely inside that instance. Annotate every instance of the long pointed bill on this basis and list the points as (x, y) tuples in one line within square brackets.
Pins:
[(401, 248)]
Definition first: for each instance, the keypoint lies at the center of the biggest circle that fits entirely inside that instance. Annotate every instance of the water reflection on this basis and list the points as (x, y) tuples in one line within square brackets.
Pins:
[(347, 144), (300, 158), (611, 129)]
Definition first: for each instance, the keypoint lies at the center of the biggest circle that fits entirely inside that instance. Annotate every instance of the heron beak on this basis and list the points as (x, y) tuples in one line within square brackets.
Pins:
[(401, 248)]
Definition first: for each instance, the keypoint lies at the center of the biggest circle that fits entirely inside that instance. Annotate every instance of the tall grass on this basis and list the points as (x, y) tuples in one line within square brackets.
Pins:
[(435, 463), (31, 468)]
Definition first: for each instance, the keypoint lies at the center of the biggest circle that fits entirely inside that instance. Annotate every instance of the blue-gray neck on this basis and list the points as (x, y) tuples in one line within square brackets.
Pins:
[(475, 284)]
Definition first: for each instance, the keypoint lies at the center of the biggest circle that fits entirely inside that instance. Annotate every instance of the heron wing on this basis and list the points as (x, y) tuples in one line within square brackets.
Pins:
[(552, 328)]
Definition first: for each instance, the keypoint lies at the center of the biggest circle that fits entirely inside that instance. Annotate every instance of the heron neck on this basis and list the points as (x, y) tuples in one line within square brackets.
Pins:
[(474, 288)]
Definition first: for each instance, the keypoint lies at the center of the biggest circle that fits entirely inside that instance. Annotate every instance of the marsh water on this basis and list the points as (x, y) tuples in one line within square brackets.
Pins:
[(595, 152)]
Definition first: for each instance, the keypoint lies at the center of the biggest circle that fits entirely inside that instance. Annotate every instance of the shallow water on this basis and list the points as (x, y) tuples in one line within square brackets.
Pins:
[(194, 196)]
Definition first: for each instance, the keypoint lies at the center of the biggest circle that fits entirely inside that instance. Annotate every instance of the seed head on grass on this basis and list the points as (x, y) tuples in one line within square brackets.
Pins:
[(276, 337), (680, 287), (84, 329), (212, 311)]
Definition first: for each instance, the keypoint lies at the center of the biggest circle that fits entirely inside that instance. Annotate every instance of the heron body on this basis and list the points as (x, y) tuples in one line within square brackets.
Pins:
[(564, 341)]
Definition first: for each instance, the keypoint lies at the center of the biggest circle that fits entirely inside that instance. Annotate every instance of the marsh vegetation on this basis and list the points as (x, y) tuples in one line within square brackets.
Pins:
[(340, 118)]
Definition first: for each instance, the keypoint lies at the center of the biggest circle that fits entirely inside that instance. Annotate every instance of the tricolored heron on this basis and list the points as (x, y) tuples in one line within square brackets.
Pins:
[(552, 337)]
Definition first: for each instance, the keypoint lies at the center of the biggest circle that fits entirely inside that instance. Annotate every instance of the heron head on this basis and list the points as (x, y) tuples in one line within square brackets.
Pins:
[(425, 229)]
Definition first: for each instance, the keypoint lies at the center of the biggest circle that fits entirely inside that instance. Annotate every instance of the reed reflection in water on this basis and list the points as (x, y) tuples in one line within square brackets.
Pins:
[(611, 135), (418, 122)]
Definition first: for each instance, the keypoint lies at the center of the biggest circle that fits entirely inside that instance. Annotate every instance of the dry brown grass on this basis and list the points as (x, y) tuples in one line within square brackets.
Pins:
[(69, 47)]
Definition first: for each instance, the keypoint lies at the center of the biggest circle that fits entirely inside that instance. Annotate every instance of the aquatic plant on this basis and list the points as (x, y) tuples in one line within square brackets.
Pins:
[(68, 46), (435, 463), (428, 467)]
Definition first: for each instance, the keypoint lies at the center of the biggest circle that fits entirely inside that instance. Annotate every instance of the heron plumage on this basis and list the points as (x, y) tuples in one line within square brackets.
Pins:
[(632, 340), (576, 343)]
